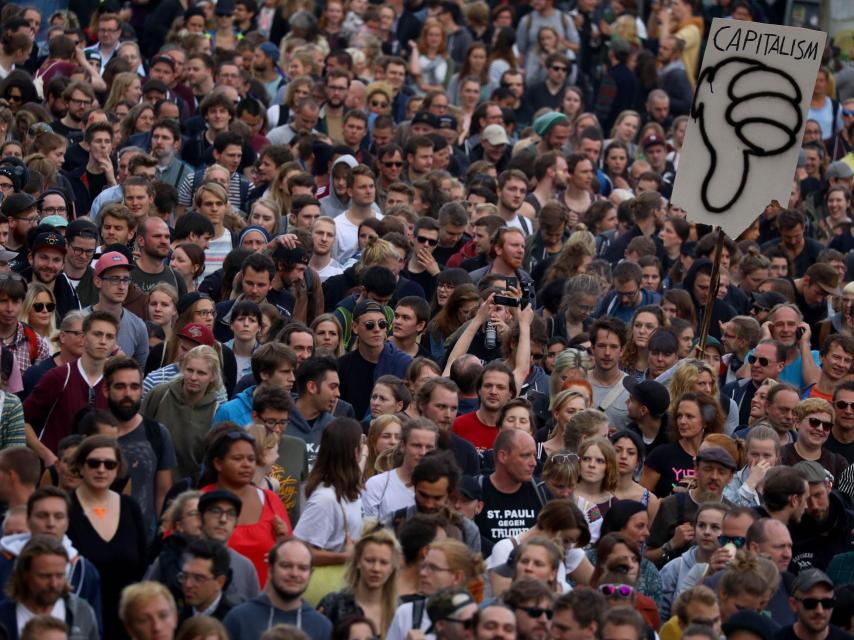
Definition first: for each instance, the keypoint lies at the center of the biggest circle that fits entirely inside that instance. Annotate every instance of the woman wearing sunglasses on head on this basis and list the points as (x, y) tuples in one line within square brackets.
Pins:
[(105, 527), (618, 566), (814, 421), (619, 591), (38, 310)]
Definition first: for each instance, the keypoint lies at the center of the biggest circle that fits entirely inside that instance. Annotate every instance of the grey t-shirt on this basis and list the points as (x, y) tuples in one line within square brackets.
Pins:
[(144, 459), (618, 414)]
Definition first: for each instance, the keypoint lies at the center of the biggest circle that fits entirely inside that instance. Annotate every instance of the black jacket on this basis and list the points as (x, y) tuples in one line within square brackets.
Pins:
[(721, 311), (815, 543)]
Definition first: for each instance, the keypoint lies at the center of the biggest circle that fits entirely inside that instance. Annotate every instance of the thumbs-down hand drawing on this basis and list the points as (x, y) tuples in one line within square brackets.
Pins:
[(762, 118)]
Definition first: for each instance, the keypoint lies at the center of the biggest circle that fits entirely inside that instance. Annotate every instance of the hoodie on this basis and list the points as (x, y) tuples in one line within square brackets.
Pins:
[(678, 575), (83, 577), (721, 311), (251, 619), (79, 617), (238, 409), (815, 543), (299, 427), (331, 205)]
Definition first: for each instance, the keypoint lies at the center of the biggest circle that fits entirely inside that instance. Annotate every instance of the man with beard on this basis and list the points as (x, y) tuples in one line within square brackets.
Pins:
[(47, 259), (39, 587), (495, 146), (79, 97), (495, 388), (146, 445), (20, 211), (434, 478), (281, 602), (802, 364), (151, 268), (550, 171), (672, 530), (826, 527), (165, 144), (813, 603), (532, 601), (332, 112), (512, 189), (419, 159), (507, 250), (266, 69)]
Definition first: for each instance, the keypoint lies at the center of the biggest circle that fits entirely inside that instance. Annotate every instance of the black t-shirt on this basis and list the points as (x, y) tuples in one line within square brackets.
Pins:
[(674, 465), (357, 381), (833, 633), (427, 282), (660, 438), (845, 450), (443, 254), (507, 515)]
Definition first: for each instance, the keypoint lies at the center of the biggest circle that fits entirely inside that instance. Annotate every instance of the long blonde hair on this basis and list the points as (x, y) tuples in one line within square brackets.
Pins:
[(33, 290), (374, 533), (121, 83)]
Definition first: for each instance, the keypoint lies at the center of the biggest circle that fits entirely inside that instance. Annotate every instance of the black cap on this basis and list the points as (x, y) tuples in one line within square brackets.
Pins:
[(751, 621), (809, 578), (767, 300), (224, 8), (425, 117), (651, 394), (81, 227), (48, 240), (156, 85), (188, 300), (470, 488), (447, 122), (165, 59), (219, 495), (17, 203), (367, 306)]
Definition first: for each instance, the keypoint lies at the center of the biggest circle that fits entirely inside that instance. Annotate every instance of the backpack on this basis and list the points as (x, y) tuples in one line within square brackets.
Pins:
[(33, 341)]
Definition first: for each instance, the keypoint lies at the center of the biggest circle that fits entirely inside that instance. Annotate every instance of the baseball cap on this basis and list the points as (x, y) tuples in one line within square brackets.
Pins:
[(825, 276), (545, 122), (17, 203), (470, 488), (6, 255), (48, 240), (188, 300), (767, 300), (197, 333), (425, 117), (367, 306), (80, 227), (270, 50), (495, 134), (712, 342), (651, 394), (448, 122), (652, 139), (224, 8), (209, 499), (814, 472), (718, 455), (110, 260), (838, 170), (446, 604), (55, 221), (809, 578), (155, 85), (164, 59), (752, 622)]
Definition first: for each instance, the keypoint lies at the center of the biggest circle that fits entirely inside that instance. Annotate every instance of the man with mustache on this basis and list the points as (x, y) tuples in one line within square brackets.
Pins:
[(671, 532), (146, 444)]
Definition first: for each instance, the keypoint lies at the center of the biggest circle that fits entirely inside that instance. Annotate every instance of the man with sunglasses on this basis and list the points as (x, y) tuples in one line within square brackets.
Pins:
[(389, 166), (825, 530), (813, 602), (422, 266), (47, 260), (532, 601), (841, 438), (372, 357), (814, 422), (767, 361)]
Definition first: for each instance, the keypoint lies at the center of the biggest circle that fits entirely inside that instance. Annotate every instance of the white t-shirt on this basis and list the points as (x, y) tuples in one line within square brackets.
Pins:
[(401, 624), (347, 237), (322, 522), (24, 615), (334, 268), (384, 494), (218, 248)]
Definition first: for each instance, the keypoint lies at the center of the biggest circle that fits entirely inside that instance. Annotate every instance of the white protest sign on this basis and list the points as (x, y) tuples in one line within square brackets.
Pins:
[(747, 121)]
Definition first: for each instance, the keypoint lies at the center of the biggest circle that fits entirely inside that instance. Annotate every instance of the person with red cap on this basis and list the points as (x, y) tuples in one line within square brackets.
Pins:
[(112, 279)]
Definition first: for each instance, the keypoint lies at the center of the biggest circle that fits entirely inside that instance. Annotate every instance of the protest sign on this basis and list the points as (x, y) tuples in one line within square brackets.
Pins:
[(747, 121)]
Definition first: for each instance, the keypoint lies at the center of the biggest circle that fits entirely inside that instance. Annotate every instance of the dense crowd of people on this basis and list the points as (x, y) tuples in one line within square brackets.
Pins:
[(350, 320)]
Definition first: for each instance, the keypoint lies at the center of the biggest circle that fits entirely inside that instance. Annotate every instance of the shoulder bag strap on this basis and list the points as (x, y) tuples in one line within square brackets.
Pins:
[(612, 395)]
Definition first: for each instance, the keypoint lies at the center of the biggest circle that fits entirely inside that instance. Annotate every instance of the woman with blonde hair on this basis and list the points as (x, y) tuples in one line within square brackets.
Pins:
[(267, 214), (428, 61), (267, 454), (39, 309), (125, 86), (327, 332), (699, 376), (625, 130), (384, 434), (163, 306), (572, 260), (563, 406), (570, 364), (597, 481), (370, 580)]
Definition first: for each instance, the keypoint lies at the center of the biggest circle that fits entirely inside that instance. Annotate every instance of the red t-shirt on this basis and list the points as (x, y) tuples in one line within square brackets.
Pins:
[(469, 427)]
